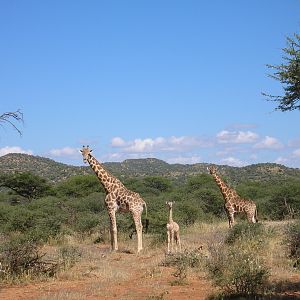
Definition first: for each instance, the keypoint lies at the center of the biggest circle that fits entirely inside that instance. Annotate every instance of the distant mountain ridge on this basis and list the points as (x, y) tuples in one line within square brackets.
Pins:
[(55, 171)]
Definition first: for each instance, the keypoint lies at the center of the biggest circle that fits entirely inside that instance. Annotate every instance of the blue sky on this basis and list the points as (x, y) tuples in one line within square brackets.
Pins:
[(176, 80)]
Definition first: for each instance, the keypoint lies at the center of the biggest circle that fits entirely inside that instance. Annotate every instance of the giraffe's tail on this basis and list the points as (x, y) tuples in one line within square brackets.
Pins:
[(146, 219)]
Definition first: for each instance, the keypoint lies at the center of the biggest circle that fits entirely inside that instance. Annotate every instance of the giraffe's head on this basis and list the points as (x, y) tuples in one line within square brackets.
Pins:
[(212, 170), (85, 151), (170, 204)]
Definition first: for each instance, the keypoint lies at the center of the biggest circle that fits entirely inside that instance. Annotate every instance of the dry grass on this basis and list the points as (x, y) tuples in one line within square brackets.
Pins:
[(101, 274)]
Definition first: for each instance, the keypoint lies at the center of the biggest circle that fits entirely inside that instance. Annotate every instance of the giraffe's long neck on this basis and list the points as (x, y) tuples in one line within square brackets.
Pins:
[(170, 215), (225, 190), (108, 181)]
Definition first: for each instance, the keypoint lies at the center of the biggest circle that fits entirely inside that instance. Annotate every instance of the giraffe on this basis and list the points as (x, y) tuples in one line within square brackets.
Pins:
[(118, 198), (233, 202), (172, 229)]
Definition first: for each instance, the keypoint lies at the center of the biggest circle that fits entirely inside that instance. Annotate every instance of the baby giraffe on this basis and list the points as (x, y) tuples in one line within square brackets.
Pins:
[(172, 230)]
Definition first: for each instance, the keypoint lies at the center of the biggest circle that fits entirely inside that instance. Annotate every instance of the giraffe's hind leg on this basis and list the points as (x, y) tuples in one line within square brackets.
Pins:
[(139, 230), (177, 240)]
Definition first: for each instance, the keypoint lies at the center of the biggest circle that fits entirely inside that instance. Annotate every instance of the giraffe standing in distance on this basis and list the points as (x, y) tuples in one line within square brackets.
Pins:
[(172, 229), (233, 202), (118, 198)]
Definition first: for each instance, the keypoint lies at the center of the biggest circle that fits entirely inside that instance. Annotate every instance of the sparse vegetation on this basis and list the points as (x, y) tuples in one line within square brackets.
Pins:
[(238, 268), (59, 224), (182, 262), (20, 258), (293, 242)]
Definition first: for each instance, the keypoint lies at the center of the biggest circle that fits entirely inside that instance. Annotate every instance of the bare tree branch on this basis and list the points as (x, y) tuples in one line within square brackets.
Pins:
[(11, 118)]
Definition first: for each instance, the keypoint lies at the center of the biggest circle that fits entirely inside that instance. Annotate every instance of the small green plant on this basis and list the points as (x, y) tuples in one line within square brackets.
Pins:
[(182, 262), (293, 243), (68, 256)]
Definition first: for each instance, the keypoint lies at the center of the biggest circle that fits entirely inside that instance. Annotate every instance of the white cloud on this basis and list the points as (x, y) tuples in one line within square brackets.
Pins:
[(144, 145), (14, 149), (268, 143), (158, 144), (236, 137), (232, 161), (117, 142), (66, 151)]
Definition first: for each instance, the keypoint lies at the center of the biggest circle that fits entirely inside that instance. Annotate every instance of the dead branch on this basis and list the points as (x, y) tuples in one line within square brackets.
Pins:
[(11, 118)]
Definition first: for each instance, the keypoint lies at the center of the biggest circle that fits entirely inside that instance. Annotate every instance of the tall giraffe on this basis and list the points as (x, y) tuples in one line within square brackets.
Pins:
[(172, 229), (233, 202), (118, 198)]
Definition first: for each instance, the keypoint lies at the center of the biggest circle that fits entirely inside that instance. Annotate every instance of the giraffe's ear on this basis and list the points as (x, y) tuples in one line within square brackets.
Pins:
[(166, 202), (80, 151), (91, 150), (173, 202)]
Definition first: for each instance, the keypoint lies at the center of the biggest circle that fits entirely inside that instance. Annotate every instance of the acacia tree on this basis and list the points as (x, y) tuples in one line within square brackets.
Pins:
[(11, 118), (27, 185), (288, 74)]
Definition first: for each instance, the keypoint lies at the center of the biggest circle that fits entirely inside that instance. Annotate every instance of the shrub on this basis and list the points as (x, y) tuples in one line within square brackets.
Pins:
[(245, 231), (85, 222), (68, 256), (237, 270), (79, 186), (183, 261), (20, 256), (293, 242)]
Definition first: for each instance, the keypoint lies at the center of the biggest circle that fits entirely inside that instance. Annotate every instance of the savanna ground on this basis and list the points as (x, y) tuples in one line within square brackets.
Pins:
[(93, 272)]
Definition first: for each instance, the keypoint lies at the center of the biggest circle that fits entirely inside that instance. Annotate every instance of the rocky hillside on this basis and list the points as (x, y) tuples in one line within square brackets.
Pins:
[(55, 171)]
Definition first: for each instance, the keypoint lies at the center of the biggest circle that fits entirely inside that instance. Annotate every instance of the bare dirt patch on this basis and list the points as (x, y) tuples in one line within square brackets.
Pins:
[(105, 275)]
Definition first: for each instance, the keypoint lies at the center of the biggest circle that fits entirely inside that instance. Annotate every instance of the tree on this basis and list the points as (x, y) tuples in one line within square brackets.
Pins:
[(26, 185), (10, 118), (159, 183), (289, 76), (79, 186)]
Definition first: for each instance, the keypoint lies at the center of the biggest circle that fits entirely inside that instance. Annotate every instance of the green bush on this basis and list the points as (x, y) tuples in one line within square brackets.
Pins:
[(246, 231), (183, 261), (85, 222), (238, 270), (20, 220), (68, 256), (237, 265), (79, 186), (293, 242)]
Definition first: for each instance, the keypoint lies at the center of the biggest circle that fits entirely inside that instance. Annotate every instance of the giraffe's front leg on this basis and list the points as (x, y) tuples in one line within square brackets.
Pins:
[(113, 231), (230, 215), (231, 219), (169, 239)]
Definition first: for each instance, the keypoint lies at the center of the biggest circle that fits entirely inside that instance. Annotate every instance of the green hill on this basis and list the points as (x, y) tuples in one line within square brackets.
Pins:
[(55, 171)]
